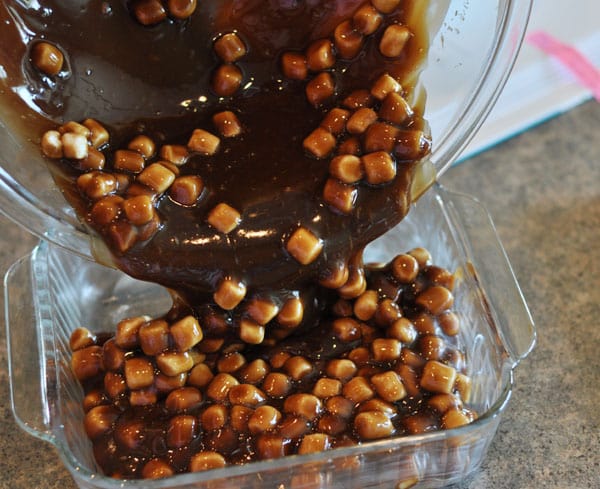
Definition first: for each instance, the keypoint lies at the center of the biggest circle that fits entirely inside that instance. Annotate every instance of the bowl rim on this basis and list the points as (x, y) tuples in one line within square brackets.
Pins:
[(508, 40)]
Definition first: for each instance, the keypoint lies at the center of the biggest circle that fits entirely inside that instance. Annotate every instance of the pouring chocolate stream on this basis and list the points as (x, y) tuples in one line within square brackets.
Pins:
[(255, 148)]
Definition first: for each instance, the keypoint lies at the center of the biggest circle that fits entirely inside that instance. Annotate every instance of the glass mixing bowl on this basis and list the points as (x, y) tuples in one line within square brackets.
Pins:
[(473, 47)]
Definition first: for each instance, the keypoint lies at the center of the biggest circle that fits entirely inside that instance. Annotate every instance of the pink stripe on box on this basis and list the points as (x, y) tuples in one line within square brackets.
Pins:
[(585, 72)]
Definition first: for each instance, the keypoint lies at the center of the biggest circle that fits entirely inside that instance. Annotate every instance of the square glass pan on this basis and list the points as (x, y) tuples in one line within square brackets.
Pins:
[(51, 291)]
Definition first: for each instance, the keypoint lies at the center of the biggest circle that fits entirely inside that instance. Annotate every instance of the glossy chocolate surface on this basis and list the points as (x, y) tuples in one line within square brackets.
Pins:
[(157, 80)]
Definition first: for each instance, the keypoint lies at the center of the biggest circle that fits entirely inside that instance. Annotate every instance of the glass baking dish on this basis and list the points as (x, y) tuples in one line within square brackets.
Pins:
[(51, 291)]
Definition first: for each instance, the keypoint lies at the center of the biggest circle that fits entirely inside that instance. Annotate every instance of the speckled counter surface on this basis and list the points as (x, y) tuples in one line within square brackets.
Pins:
[(543, 190)]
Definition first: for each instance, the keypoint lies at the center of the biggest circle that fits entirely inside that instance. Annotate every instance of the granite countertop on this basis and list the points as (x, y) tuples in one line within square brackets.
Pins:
[(542, 189)]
